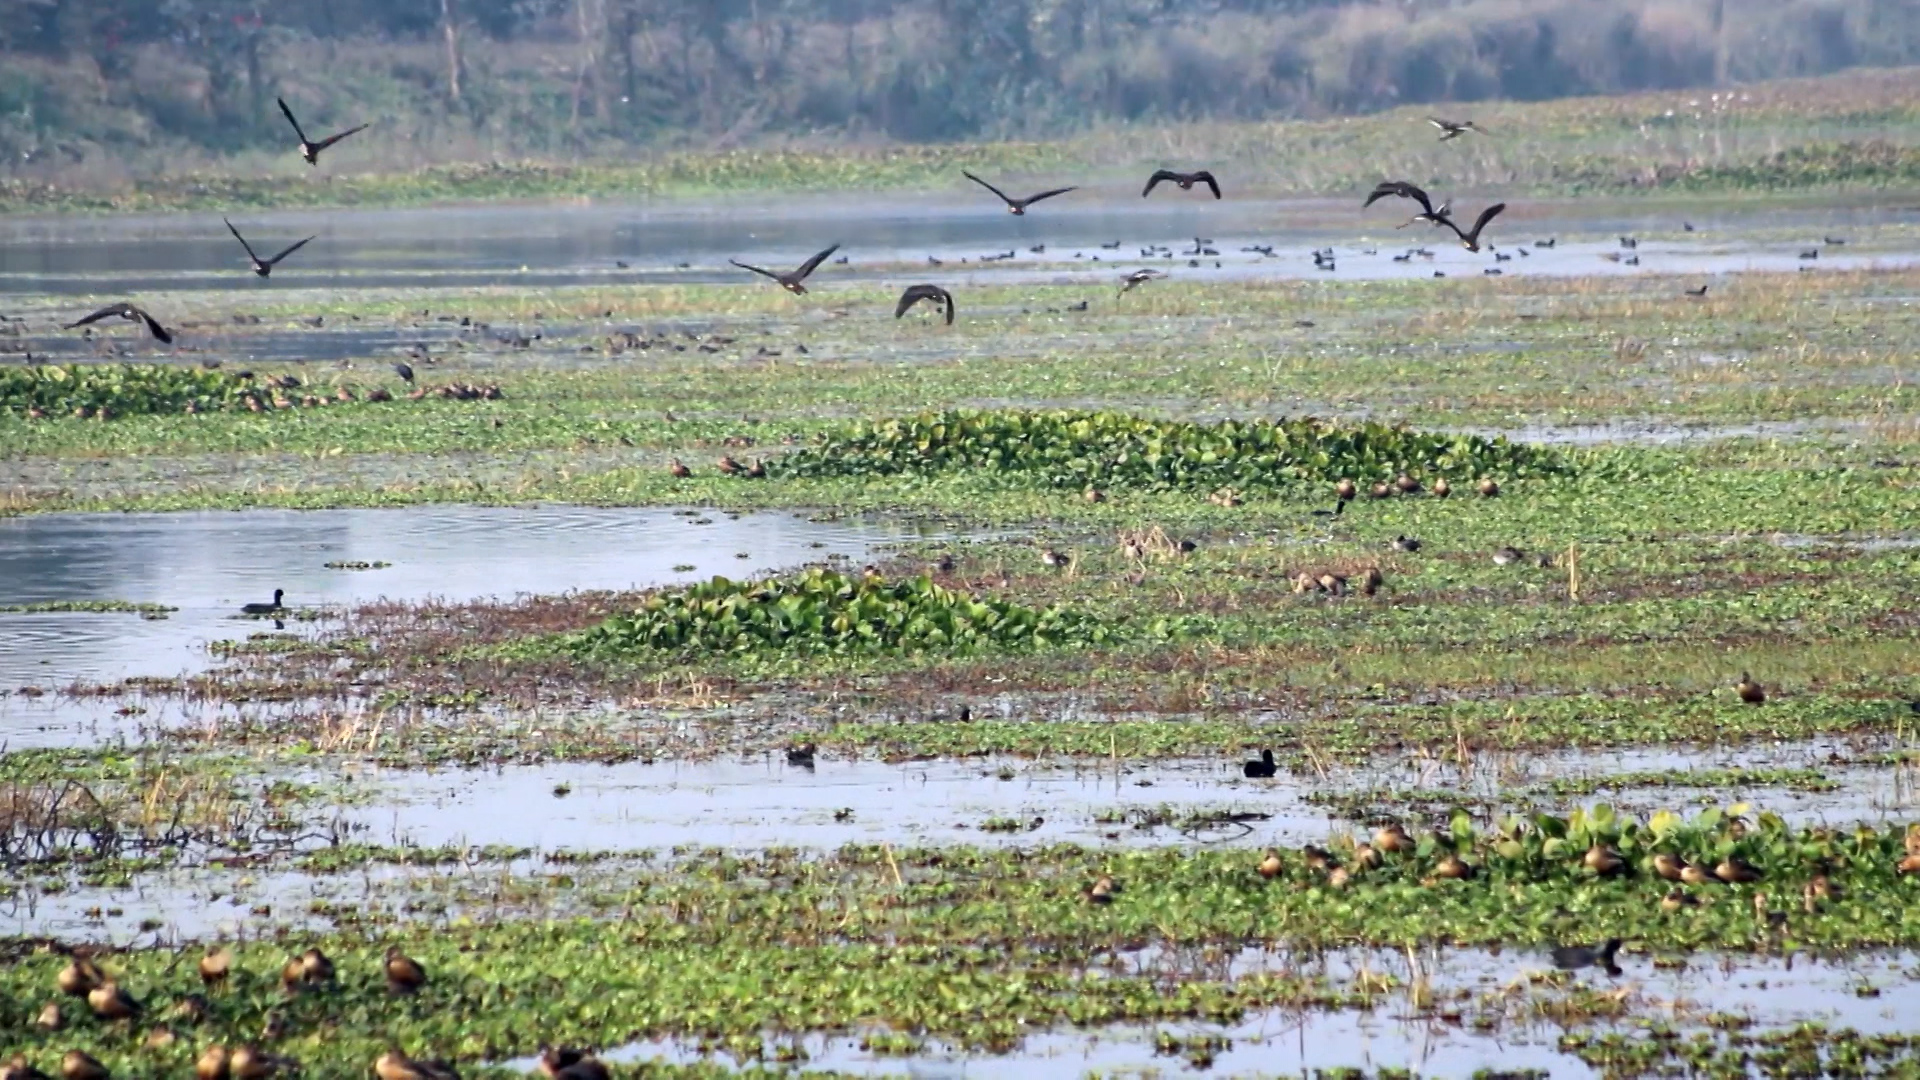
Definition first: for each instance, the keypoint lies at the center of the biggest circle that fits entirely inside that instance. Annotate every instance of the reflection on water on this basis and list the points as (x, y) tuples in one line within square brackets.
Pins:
[(208, 564)]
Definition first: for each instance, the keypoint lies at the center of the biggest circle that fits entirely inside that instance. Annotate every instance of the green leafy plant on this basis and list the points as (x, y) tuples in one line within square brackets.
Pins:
[(1113, 449)]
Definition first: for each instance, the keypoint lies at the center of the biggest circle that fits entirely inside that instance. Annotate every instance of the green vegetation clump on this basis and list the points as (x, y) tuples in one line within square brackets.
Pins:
[(820, 611), (115, 390), (1112, 449)]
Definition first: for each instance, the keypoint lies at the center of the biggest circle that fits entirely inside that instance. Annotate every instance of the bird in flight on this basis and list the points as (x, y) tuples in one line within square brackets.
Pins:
[(131, 314), (1138, 278), (791, 282), (308, 148), (940, 297), (1016, 207), (1185, 180), (264, 267), (1404, 190), (1450, 129), (1469, 238)]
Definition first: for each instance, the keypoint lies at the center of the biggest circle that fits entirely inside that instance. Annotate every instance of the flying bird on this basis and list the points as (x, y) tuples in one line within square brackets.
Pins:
[(308, 148), (1016, 207), (791, 282), (1138, 278), (1470, 239), (1403, 190), (131, 314), (1185, 180), (264, 267), (1450, 129), (940, 297)]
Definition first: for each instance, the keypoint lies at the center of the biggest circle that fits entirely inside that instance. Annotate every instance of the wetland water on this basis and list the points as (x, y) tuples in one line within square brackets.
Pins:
[(894, 238), (208, 564)]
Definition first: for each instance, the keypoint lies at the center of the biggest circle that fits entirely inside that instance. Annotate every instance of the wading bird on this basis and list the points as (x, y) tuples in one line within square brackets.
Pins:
[(791, 282), (1452, 129), (264, 267), (1016, 207), (941, 298), (131, 314), (308, 148), (1185, 180)]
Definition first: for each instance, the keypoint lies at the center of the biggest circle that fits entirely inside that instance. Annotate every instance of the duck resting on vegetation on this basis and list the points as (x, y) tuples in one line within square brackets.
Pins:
[(1750, 692)]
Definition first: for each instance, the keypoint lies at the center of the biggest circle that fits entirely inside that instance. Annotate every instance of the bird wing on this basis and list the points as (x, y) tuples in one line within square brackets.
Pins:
[(989, 187), (1205, 177), (1443, 125), (1486, 215), (1031, 199), (242, 239), (108, 312), (1399, 189), (913, 295), (275, 261), (153, 326), (947, 299), (810, 265), (288, 113), (331, 139), (755, 269), (1159, 175)]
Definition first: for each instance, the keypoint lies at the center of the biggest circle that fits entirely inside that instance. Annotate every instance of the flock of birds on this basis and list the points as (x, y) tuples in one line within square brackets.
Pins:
[(794, 281), (308, 972)]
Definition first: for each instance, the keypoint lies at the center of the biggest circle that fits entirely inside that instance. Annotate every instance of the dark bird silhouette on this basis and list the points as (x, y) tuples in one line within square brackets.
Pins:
[(1261, 769), (1471, 238), (1016, 207), (131, 314), (940, 297), (264, 267), (1750, 692), (1403, 190), (308, 148), (1185, 180), (1452, 129), (791, 282), (1701, 291), (405, 371), (1575, 957), (567, 1064), (1138, 278), (264, 609)]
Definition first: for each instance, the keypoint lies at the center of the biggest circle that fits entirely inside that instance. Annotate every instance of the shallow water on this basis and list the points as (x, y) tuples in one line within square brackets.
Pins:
[(893, 238), (208, 564)]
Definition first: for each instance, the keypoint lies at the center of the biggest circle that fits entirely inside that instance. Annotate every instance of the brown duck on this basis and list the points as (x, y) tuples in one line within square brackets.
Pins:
[(80, 977), (1750, 692), (404, 973), (110, 1002), (394, 1065), (80, 1065), (215, 966)]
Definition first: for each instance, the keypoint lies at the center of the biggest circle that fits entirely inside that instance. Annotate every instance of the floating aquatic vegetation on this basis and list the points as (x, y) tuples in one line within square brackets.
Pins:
[(821, 611), (1111, 449)]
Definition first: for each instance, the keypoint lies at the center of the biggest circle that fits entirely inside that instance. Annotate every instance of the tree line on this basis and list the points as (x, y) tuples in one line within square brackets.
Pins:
[(81, 77)]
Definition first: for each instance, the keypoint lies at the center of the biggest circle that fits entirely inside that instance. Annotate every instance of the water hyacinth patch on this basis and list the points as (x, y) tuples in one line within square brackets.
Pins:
[(821, 611), (1112, 449)]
